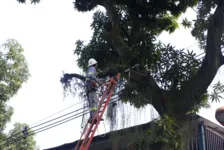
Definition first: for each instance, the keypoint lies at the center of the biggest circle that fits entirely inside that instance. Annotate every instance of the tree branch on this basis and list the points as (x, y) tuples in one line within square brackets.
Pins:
[(156, 96), (118, 42), (155, 93), (67, 77), (197, 85)]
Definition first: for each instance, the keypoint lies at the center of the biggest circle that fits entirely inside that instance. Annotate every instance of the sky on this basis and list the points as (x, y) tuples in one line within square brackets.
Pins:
[(48, 32)]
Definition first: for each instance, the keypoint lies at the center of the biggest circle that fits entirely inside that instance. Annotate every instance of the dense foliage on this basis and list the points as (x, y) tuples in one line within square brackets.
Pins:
[(19, 141), (14, 72), (173, 81)]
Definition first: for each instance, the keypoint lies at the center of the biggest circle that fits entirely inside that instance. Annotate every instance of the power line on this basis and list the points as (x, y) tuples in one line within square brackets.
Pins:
[(58, 117), (46, 122), (51, 116), (51, 119), (191, 45), (222, 51), (59, 123), (57, 112), (33, 132), (80, 113), (47, 126)]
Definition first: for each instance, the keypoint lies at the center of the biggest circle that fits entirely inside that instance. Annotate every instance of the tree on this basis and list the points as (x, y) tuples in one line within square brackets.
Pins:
[(14, 72), (174, 81), (19, 141)]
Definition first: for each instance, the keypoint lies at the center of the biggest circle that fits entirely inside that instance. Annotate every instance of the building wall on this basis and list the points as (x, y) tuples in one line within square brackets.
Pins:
[(206, 132)]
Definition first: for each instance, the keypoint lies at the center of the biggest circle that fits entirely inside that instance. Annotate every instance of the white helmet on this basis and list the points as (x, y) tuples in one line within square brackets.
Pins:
[(91, 62)]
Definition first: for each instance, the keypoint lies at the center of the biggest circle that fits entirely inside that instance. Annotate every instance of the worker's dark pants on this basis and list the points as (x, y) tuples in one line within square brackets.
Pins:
[(93, 102)]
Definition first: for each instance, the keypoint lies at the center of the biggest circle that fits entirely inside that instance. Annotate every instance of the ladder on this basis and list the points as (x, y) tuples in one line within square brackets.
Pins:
[(91, 129)]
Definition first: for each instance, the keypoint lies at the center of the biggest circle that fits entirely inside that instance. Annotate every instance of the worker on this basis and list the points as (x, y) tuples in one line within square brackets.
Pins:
[(92, 83)]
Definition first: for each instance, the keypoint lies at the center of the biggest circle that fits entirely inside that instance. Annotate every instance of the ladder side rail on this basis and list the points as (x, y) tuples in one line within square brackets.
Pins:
[(98, 121), (114, 82), (77, 145), (91, 126), (110, 87), (82, 147), (103, 97)]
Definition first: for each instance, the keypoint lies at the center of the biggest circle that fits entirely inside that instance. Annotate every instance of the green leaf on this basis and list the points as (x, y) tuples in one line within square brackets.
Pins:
[(186, 23)]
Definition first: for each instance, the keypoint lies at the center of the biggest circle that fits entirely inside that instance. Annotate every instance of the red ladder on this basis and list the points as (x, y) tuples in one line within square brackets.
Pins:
[(98, 116)]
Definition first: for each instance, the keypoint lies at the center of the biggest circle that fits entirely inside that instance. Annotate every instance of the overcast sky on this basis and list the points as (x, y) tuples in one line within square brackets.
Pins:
[(48, 32)]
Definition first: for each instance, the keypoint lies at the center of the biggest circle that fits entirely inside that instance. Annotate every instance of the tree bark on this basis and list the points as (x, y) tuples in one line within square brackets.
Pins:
[(156, 96), (118, 42), (197, 85), (222, 59)]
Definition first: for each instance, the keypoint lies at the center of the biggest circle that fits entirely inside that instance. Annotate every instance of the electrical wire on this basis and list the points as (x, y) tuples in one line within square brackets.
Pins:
[(58, 117), (57, 113), (222, 51), (59, 123), (191, 45), (43, 123), (50, 120), (33, 132)]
